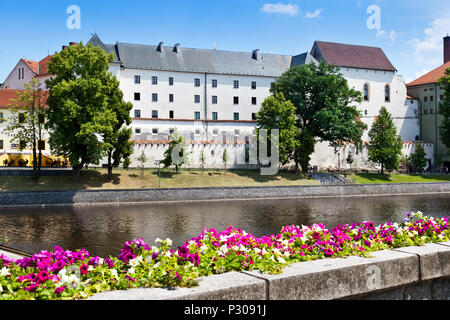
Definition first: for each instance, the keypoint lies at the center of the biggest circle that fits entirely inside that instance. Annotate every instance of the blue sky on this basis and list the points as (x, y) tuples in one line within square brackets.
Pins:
[(410, 31)]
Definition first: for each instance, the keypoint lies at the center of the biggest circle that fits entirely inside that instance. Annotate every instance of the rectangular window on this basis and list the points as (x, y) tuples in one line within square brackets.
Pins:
[(137, 130), (214, 83), (171, 114), (235, 100), (431, 98), (21, 117), (1, 117), (171, 97), (254, 100), (154, 114), (22, 144), (41, 145), (154, 80), (253, 85), (137, 113), (154, 130), (236, 84), (253, 116), (197, 115), (214, 116), (170, 81), (137, 79), (171, 131), (197, 82), (1, 144), (214, 99), (154, 97), (137, 96), (197, 98), (236, 116)]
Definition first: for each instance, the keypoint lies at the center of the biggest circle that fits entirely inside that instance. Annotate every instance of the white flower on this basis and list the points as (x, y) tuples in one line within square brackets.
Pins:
[(156, 265), (243, 248), (155, 249), (158, 240), (235, 248), (133, 262), (223, 238), (280, 259), (168, 254), (113, 272), (101, 260), (90, 268), (168, 242), (192, 242), (131, 270), (4, 272), (203, 249)]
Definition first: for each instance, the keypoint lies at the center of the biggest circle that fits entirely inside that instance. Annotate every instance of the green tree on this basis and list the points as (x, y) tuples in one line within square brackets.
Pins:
[(444, 109), (202, 160), (385, 145), (79, 112), (225, 158), (142, 159), (177, 146), (325, 108), (278, 113), (418, 159), (26, 123), (119, 144)]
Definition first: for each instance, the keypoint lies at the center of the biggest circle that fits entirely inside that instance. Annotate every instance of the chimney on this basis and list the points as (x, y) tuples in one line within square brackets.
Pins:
[(65, 47), (446, 49), (73, 43)]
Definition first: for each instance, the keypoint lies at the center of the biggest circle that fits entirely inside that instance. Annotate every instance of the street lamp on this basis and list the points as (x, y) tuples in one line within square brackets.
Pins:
[(157, 162)]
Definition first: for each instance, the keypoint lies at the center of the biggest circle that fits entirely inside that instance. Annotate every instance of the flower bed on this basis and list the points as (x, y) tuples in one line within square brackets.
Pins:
[(64, 274)]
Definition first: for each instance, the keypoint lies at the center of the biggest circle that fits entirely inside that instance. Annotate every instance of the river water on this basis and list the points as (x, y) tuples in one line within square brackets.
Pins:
[(103, 229)]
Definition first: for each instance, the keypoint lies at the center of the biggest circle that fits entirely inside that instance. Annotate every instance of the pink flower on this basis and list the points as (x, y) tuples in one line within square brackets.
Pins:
[(59, 290), (84, 269)]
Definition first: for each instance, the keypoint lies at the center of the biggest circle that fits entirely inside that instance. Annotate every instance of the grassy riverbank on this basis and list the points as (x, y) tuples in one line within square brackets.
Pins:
[(131, 179), (364, 178)]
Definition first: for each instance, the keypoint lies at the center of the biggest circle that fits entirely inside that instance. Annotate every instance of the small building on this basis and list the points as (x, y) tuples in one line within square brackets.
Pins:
[(429, 94)]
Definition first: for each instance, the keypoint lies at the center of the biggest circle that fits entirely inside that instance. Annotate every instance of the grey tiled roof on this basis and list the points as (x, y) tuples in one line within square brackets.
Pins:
[(139, 56)]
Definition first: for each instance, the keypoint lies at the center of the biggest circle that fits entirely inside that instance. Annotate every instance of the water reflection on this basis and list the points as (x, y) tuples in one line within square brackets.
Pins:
[(103, 230)]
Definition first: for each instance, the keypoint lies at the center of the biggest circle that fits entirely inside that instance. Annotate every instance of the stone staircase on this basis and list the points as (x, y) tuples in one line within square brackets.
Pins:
[(329, 178)]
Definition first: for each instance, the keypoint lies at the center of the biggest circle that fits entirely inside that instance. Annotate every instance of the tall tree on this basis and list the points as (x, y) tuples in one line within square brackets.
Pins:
[(79, 112), (385, 145), (278, 113), (325, 107), (177, 153), (444, 109), (26, 123), (120, 146)]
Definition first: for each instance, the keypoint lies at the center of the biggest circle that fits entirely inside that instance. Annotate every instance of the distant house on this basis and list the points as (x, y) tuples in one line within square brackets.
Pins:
[(429, 94)]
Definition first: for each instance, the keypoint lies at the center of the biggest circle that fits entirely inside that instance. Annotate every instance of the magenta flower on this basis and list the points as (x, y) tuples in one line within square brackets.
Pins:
[(109, 262), (84, 269), (59, 290)]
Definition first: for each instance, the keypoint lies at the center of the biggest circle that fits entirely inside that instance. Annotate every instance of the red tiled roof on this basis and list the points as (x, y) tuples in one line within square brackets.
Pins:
[(354, 56), (7, 94), (43, 66), (34, 65), (431, 77)]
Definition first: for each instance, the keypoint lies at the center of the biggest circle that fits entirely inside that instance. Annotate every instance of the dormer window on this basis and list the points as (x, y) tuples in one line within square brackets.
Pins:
[(366, 92)]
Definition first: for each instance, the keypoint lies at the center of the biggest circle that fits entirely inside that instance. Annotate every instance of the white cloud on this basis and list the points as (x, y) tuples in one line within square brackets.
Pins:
[(289, 9), (428, 51), (383, 34), (313, 15)]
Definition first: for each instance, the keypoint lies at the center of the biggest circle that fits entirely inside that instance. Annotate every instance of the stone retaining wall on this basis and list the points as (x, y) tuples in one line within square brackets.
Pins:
[(92, 197), (411, 273)]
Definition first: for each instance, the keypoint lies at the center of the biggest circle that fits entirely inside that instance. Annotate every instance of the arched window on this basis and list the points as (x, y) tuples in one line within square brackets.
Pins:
[(366, 92), (387, 93)]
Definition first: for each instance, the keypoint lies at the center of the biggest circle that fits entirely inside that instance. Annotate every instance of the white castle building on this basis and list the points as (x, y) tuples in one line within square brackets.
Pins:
[(211, 97)]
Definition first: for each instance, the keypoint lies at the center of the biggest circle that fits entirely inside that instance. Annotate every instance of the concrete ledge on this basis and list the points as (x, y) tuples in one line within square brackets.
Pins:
[(227, 286), (342, 277), (96, 197), (434, 259)]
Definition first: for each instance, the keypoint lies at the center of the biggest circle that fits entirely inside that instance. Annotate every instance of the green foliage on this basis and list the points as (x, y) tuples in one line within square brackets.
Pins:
[(385, 146), (177, 145), (142, 159), (225, 157), (444, 109), (31, 105), (83, 105), (418, 159), (324, 105), (278, 113)]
